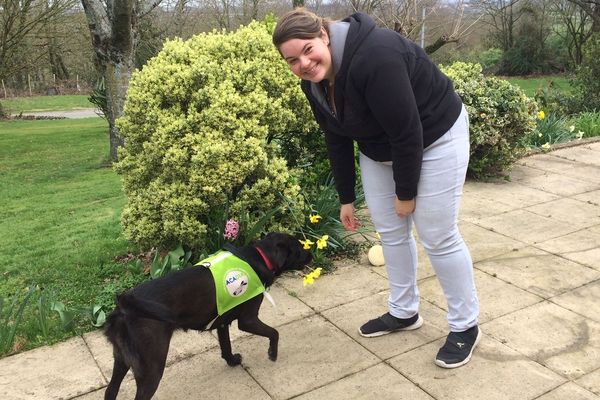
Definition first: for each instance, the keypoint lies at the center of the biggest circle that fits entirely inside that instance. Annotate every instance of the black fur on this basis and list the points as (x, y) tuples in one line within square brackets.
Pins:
[(141, 326)]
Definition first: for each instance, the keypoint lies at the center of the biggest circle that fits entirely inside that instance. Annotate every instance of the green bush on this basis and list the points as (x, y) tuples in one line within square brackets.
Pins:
[(586, 124), (500, 117), (203, 128)]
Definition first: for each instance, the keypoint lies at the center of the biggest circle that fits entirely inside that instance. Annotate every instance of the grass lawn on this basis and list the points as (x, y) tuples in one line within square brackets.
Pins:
[(59, 220), (533, 84), (16, 105)]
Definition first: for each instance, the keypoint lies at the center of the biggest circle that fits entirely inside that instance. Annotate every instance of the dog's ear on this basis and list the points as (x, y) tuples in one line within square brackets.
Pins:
[(286, 251)]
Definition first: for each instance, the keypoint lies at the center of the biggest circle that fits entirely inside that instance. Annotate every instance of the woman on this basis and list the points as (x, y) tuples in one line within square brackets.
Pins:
[(372, 86)]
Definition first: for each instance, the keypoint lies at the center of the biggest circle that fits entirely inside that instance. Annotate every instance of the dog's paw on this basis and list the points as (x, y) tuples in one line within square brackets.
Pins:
[(273, 354), (235, 359)]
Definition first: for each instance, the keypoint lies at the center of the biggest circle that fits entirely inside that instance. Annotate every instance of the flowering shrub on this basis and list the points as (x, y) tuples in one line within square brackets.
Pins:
[(200, 125), (500, 117)]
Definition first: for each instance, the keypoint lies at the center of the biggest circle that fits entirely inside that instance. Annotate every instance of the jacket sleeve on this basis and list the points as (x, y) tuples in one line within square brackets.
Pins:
[(390, 97), (340, 150)]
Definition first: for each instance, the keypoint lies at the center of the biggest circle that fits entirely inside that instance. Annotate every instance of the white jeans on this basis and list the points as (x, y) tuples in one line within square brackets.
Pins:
[(435, 217)]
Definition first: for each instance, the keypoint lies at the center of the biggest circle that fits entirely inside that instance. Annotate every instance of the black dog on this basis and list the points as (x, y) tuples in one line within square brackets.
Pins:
[(141, 326)]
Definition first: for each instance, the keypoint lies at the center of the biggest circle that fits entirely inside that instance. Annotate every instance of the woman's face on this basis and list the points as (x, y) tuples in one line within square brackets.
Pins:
[(309, 59)]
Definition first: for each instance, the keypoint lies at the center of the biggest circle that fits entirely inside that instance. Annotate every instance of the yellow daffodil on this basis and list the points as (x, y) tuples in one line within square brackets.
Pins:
[(307, 243), (580, 134), (541, 115), (314, 218), (571, 128), (322, 243), (540, 134), (309, 278), (546, 146)]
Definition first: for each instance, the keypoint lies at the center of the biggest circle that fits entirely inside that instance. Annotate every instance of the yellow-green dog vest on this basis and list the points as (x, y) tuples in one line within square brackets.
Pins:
[(235, 280)]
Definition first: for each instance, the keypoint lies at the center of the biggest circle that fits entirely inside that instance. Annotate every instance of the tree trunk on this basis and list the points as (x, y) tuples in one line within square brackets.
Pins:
[(297, 3), (114, 30)]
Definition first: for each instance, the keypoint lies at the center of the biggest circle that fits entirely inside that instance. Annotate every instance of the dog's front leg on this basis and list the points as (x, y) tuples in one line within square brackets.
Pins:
[(257, 327), (225, 343)]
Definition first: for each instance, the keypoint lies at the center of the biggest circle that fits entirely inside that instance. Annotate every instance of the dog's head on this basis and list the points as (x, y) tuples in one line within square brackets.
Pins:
[(285, 252)]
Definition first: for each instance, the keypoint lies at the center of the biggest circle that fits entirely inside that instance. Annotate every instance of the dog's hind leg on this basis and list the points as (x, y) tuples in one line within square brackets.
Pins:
[(257, 327), (225, 343), (119, 371)]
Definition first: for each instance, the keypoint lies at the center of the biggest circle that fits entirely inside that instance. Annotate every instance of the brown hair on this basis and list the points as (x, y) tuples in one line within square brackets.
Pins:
[(299, 24)]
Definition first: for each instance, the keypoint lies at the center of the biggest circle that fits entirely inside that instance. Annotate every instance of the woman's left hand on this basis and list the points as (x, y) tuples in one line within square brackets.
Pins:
[(405, 207)]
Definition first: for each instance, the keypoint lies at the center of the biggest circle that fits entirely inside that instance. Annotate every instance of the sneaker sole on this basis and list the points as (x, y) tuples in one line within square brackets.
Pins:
[(442, 364), (418, 323)]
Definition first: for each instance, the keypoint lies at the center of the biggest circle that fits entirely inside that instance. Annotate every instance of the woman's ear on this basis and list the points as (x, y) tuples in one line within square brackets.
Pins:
[(324, 36)]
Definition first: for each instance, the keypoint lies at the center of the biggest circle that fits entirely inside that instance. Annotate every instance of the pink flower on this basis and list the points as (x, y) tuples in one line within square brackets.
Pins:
[(232, 228)]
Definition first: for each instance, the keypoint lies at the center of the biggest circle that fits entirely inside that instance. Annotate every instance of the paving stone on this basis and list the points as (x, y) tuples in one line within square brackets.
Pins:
[(580, 154), (581, 246), (474, 207), (344, 284), (312, 353), (424, 268), (484, 243), (570, 391), (553, 163), (554, 183), (511, 194), (584, 300), (381, 382), (592, 197), (349, 317), (496, 297), (576, 213), (539, 272), (60, 371), (536, 229), (555, 337), (494, 372), (208, 376), (591, 381)]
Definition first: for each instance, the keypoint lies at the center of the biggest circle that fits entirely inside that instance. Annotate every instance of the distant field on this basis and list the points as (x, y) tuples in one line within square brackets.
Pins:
[(17, 105), (531, 85)]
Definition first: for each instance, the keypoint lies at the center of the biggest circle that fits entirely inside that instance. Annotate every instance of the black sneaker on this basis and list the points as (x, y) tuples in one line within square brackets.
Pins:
[(387, 323), (458, 348)]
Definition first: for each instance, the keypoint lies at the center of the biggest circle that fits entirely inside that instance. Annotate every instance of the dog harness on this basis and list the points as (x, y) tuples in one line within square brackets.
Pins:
[(235, 280)]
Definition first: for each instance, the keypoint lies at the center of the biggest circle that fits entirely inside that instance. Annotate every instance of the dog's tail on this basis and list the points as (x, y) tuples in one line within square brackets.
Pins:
[(116, 328)]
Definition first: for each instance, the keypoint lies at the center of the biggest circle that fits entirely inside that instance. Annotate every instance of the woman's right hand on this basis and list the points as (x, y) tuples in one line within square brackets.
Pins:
[(347, 217)]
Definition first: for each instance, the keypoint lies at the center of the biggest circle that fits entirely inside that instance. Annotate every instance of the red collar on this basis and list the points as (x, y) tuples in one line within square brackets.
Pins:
[(265, 258)]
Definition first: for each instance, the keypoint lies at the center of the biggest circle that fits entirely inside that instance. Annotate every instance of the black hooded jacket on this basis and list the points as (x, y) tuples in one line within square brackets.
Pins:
[(390, 98)]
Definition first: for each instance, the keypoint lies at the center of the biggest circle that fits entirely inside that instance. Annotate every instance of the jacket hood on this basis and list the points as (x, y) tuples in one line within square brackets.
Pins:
[(361, 25)]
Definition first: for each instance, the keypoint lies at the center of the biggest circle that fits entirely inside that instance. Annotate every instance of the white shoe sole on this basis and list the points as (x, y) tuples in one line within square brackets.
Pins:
[(418, 323), (442, 364)]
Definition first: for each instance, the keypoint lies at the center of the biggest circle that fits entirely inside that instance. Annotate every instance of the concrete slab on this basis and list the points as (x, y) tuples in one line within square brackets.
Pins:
[(495, 372), (569, 391), (312, 353), (539, 272), (526, 226), (484, 243), (557, 338), (584, 300), (581, 154), (582, 247), (576, 213), (496, 297), (513, 195), (347, 283), (474, 207), (551, 182), (380, 381), (349, 317), (208, 376), (591, 382), (563, 166), (592, 197), (60, 371)]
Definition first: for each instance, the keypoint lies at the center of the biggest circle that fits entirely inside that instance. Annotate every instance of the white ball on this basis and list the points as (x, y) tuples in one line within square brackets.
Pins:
[(376, 255)]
